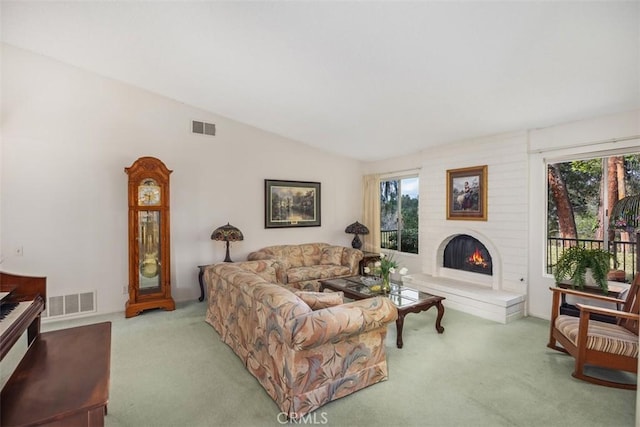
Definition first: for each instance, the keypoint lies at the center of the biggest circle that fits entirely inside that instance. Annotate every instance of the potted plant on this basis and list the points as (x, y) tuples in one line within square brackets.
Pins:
[(577, 263), (385, 267)]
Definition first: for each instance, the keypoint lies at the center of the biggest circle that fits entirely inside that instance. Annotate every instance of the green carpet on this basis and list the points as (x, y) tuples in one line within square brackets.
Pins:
[(171, 369)]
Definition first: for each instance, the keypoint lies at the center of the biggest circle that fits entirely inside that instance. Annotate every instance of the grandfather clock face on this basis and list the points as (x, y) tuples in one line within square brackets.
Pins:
[(149, 193)]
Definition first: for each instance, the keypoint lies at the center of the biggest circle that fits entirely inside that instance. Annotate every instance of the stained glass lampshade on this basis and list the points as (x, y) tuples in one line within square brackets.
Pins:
[(356, 228), (227, 233)]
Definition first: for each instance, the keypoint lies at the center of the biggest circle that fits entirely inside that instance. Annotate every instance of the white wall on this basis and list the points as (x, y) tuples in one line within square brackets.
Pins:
[(67, 136)]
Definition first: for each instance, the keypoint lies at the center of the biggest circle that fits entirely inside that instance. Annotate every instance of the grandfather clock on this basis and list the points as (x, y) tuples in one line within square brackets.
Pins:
[(149, 258)]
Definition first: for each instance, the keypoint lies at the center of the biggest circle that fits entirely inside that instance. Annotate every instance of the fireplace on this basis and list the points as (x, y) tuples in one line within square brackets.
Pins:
[(467, 270), (467, 253), (470, 257)]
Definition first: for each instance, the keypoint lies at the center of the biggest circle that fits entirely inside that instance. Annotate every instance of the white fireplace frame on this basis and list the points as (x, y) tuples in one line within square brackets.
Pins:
[(493, 281)]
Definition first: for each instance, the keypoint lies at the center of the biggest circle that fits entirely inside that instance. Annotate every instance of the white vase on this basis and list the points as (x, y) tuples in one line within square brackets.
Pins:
[(589, 280)]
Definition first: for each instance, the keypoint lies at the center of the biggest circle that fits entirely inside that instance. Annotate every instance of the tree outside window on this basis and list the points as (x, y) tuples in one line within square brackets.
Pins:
[(399, 214), (581, 194)]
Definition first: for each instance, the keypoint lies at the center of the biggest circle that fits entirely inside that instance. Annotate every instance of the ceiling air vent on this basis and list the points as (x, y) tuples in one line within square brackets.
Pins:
[(203, 128)]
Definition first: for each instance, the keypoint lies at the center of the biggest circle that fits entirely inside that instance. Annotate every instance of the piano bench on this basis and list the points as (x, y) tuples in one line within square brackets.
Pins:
[(62, 380)]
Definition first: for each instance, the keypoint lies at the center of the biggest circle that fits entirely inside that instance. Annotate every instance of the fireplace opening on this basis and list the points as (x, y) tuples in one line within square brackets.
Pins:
[(467, 253)]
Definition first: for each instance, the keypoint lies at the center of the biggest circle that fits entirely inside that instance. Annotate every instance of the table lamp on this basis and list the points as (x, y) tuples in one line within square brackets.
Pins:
[(227, 233), (356, 228)]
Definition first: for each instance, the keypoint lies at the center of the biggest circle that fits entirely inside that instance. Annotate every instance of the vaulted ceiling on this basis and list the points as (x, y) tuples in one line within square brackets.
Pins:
[(369, 80)]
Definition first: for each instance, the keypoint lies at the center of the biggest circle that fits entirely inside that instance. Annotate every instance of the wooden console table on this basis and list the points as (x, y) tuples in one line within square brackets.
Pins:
[(63, 380)]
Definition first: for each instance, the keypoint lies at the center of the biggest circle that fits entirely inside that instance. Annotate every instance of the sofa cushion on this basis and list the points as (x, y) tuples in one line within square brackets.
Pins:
[(300, 274), (331, 255), (311, 253), (320, 300), (601, 336)]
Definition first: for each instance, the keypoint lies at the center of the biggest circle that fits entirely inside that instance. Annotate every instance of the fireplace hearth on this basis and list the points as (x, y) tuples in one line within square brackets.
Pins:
[(467, 253)]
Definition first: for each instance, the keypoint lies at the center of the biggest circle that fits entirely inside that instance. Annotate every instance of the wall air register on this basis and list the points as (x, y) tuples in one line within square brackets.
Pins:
[(203, 128)]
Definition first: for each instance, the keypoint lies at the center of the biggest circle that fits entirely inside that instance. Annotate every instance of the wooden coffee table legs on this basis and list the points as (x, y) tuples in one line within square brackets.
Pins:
[(417, 308)]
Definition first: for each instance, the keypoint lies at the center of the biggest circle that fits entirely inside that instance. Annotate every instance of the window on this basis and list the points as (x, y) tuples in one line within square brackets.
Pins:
[(581, 196), (399, 214)]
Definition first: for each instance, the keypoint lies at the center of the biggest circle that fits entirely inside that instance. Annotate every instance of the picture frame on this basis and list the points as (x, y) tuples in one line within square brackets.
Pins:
[(467, 193), (291, 204)]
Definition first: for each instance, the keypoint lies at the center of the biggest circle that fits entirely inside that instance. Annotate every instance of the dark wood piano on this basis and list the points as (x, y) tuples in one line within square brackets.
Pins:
[(29, 293), (63, 378)]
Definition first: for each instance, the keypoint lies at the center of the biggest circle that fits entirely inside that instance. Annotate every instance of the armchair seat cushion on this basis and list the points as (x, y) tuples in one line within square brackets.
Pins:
[(605, 337), (301, 274)]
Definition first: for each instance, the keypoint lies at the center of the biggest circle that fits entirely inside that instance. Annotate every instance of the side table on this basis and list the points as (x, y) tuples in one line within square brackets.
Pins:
[(200, 277), (367, 259), (615, 291)]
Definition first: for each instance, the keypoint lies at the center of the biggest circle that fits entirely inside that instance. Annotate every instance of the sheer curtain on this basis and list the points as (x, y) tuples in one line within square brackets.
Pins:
[(371, 212)]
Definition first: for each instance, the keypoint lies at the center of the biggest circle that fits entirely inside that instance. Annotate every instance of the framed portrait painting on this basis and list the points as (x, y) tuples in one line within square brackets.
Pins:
[(467, 193), (291, 204)]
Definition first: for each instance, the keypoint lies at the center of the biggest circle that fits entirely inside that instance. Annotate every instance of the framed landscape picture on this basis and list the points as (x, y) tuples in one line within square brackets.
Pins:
[(291, 204), (467, 193)]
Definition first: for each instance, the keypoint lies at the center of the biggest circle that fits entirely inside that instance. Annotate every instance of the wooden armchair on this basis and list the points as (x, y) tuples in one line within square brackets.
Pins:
[(591, 342)]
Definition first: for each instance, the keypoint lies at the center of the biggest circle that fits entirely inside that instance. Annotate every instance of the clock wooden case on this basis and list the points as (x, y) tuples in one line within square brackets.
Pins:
[(149, 257)]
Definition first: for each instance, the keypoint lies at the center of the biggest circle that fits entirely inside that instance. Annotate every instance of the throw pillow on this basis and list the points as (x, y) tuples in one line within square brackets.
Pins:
[(331, 255), (320, 300)]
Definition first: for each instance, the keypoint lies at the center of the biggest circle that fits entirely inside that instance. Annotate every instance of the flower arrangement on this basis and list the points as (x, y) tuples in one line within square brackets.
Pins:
[(384, 268)]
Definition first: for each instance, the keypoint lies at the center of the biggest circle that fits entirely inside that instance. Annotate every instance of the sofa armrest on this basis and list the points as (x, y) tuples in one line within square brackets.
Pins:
[(267, 269), (336, 323), (281, 270), (351, 258)]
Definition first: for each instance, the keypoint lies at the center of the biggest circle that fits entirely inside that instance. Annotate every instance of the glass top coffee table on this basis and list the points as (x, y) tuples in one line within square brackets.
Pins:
[(406, 300)]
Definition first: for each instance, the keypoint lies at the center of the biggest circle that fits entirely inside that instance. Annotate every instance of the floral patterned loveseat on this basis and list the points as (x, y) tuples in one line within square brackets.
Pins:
[(304, 265), (305, 348)]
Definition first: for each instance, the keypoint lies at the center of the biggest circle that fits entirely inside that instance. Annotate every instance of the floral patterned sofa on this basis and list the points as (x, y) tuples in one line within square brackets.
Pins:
[(305, 264), (305, 348)]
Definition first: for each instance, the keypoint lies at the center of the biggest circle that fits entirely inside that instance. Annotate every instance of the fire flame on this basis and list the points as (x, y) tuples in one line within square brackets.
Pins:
[(476, 259)]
